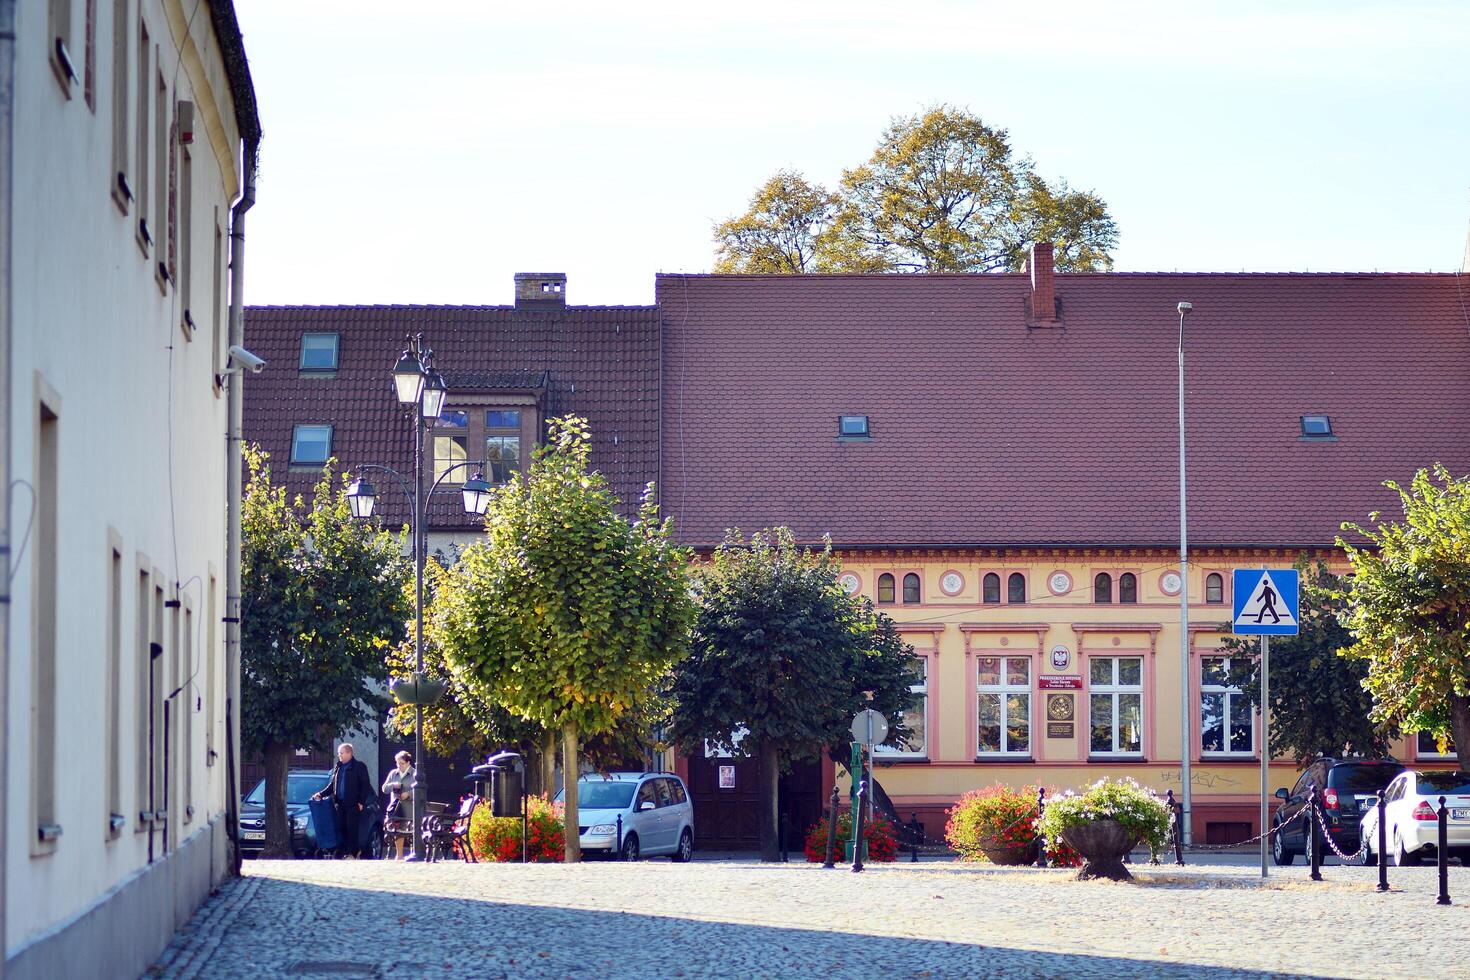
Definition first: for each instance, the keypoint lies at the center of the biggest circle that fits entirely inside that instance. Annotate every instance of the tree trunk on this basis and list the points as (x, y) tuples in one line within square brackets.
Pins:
[(548, 764), (569, 763), (770, 770), (277, 824), (1460, 725)]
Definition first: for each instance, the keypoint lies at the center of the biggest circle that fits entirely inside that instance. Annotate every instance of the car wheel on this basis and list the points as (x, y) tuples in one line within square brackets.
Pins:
[(1280, 853), (1307, 847), (1369, 860), (630, 850), (1401, 857), (685, 853)]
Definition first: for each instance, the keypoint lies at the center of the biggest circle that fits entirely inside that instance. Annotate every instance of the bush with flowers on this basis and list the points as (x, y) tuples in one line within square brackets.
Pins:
[(878, 832), (1137, 810), (998, 824), (499, 838)]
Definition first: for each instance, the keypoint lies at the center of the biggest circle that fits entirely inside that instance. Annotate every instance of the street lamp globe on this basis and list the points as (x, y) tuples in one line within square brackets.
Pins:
[(435, 391), (408, 378), (476, 495), (361, 498)]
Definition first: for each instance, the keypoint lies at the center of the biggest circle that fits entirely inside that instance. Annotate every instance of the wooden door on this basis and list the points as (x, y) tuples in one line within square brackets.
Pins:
[(727, 817)]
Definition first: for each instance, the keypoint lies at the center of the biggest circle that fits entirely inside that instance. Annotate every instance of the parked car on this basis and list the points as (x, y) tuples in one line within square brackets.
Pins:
[(300, 785), (1345, 787), (1411, 817), (657, 815)]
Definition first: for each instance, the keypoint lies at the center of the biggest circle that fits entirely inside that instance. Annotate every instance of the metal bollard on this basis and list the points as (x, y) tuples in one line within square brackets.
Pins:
[(1040, 840), (831, 861), (618, 850), (1316, 831), (1382, 845), (784, 831), (1444, 856), (916, 830), (857, 826), (1178, 811)]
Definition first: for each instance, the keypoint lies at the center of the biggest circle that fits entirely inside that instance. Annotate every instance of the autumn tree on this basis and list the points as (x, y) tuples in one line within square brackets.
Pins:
[(323, 599), (566, 613), (1408, 607), (1319, 704), (783, 657), (942, 192)]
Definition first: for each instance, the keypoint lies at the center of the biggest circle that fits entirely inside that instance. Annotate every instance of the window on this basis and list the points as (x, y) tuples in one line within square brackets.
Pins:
[(58, 33), (1226, 725), (142, 695), (319, 352), (162, 188), (915, 717), (676, 788), (1102, 587), (122, 189), (1128, 588), (186, 238), (1316, 427), (451, 443), (1115, 705), (502, 444), (1016, 588), (990, 588), (43, 631), (1427, 747), (853, 427), (911, 587), (89, 59), (211, 676), (885, 587), (1214, 588), (217, 297), (647, 794), (185, 703), (311, 445), (144, 100), (1003, 706), (114, 688), (661, 787)]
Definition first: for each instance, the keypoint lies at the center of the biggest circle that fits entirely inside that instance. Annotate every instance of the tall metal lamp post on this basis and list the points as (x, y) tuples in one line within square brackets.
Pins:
[(421, 389), (1184, 719)]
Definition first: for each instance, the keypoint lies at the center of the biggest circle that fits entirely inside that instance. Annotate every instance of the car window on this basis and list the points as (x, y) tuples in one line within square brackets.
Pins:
[(677, 788), (1355, 778), (601, 794), (299, 788), (647, 794), (665, 798), (1429, 783), (1300, 789)]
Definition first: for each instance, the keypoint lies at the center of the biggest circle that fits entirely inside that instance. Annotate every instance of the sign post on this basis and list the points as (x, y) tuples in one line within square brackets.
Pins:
[(1260, 593)]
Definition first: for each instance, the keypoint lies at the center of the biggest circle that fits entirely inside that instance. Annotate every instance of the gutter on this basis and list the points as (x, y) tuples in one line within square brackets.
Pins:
[(7, 170)]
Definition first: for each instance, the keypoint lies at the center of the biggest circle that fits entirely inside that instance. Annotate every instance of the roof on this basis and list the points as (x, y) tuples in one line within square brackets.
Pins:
[(596, 361), (986, 433), (237, 69)]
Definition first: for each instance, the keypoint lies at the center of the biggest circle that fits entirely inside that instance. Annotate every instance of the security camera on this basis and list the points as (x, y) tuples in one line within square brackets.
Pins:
[(242, 360), (1185, 308)]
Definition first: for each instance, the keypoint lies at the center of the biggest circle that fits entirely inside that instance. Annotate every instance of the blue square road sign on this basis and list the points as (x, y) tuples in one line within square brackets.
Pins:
[(1267, 602)]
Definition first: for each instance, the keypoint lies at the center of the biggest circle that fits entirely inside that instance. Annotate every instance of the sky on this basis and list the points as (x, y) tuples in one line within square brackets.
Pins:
[(426, 152)]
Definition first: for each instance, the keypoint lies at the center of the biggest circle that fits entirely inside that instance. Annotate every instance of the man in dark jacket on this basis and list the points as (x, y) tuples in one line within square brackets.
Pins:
[(350, 789)]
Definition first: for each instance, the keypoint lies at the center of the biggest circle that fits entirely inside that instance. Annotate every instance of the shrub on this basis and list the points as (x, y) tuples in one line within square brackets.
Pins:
[(878, 832), (1137, 809), (1002, 818), (499, 838)]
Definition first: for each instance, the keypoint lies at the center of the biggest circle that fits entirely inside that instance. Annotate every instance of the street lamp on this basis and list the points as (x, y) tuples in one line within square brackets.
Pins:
[(1184, 719), (476, 494), (361, 498), (408, 377), (434, 393)]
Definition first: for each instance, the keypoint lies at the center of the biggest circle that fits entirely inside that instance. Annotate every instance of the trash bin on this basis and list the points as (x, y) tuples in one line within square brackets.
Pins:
[(507, 772)]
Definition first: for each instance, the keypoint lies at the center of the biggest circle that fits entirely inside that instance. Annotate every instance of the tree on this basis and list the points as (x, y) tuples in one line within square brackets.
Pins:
[(566, 613), (781, 655), (1319, 705), (942, 192), (323, 601), (1408, 606)]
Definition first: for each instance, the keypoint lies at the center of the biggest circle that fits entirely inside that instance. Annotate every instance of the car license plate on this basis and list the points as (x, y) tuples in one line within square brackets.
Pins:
[(1460, 813), (253, 835)]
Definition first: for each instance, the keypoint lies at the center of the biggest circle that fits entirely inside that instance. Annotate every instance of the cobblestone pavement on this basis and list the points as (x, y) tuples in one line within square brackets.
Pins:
[(741, 919)]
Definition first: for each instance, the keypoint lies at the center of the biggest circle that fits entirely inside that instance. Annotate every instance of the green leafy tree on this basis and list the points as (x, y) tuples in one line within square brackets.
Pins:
[(781, 654), (566, 613), (322, 603), (1319, 702), (942, 192), (1408, 607)]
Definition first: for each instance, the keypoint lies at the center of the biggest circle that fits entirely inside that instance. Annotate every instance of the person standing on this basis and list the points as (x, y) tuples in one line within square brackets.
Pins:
[(398, 788), (350, 789)]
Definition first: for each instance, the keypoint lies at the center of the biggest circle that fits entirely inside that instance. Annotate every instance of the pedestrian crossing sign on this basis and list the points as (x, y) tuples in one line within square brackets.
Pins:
[(1266, 601)]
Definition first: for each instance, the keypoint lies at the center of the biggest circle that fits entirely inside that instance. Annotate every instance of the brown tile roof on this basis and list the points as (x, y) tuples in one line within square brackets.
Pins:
[(596, 361), (985, 433)]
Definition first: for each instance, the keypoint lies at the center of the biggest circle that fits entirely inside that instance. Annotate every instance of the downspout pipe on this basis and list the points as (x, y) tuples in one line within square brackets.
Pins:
[(234, 498), (7, 169)]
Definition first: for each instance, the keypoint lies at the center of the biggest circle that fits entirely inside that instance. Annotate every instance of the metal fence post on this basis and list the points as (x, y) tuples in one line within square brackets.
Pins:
[(1178, 812), (785, 831), (618, 849), (1382, 845), (1316, 831), (857, 827), (831, 861), (1444, 856), (916, 830), (1040, 840)]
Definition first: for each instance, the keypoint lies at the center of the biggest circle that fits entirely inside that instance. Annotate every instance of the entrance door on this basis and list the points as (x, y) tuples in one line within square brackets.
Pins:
[(725, 793)]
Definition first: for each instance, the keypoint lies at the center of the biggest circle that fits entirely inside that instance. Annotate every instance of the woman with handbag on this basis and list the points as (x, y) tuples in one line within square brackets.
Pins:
[(398, 789)]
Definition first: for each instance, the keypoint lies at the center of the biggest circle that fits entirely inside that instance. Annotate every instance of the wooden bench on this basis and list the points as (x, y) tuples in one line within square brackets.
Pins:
[(447, 834)]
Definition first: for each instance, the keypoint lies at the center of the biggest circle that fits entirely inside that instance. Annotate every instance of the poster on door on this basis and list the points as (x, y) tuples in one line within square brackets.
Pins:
[(727, 777)]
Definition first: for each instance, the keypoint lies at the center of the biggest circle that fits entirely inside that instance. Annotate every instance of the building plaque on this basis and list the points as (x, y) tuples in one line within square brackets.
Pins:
[(1060, 682), (1059, 729)]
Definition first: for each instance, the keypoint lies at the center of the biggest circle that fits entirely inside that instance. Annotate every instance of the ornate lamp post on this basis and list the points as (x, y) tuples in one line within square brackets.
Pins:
[(421, 389)]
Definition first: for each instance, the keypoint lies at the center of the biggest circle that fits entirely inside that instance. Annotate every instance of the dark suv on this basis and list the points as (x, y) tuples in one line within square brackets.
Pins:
[(1345, 788)]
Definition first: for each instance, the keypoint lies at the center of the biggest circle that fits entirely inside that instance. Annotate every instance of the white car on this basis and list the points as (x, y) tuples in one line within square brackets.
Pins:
[(1411, 816), (657, 817)]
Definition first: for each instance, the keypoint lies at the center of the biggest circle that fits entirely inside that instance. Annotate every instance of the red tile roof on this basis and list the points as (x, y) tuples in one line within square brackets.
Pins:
[(597, 361), (987, 433)]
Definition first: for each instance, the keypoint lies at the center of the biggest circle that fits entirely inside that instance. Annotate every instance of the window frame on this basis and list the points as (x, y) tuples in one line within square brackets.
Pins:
[(892, 583), (1096, 587), (1114, 690), (1435, 755), (295, 440), (999, 593), (1326, 422), (1010, 588), (1228, 703), (844, 434), (1003, 692), (1123, 579), (921, 688), (917, 581), (1219, 577), (304, 368)]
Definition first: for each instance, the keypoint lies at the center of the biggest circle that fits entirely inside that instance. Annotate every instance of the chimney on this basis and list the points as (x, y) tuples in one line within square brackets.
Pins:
[(541, 290), (1043, 291)]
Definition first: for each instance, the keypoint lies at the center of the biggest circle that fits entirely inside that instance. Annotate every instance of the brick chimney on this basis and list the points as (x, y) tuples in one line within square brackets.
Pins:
[(541, 290), (1043, 289)]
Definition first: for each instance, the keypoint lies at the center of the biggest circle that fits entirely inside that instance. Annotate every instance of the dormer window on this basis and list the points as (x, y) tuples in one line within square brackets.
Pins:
[(1317, 427), (853, 427)]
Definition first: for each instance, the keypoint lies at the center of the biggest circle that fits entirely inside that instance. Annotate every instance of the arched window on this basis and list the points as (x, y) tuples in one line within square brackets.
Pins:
[(1214, 588), (1016, 588), (911, 587), (1127, 587), (1102, 587), (885, 587), (991, 590)]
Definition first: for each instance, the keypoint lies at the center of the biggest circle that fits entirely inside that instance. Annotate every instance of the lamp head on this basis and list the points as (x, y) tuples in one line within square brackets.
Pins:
[(408, 378), (360, 498), (1185, 308)]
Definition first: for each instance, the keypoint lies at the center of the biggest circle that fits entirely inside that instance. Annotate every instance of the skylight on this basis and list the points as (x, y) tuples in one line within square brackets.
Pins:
[(853, 427), (1316, 427)]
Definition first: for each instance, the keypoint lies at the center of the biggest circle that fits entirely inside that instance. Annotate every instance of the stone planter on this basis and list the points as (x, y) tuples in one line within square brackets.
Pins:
[(998, 852), (1103, 845)]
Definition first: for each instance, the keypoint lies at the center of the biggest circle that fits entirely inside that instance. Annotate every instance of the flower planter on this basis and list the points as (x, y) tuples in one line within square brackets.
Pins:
[(1103, 845), (1004, 852)]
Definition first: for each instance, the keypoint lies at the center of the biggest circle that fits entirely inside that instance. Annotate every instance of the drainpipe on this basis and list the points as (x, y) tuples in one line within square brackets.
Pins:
[(234, 497), (7, 121)]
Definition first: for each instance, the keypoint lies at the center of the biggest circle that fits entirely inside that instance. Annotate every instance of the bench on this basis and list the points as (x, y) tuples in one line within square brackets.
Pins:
[(447, 834)]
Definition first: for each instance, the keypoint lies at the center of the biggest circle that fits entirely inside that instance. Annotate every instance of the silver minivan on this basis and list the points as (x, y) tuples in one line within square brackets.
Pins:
[(657, 817)]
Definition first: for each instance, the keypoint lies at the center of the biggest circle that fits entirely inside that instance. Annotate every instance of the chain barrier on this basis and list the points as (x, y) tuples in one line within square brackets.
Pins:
[(1225, 847), (1332, 844)]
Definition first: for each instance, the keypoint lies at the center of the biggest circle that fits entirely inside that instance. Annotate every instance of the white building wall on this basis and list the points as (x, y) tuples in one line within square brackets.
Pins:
[(140, 467)]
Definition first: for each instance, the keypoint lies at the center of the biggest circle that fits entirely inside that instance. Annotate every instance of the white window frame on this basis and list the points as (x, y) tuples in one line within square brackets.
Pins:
[(1230, 694), (317, 335), (296, 436), (1436, 755), (1113, 690), (1003, 691), (921, 688)]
